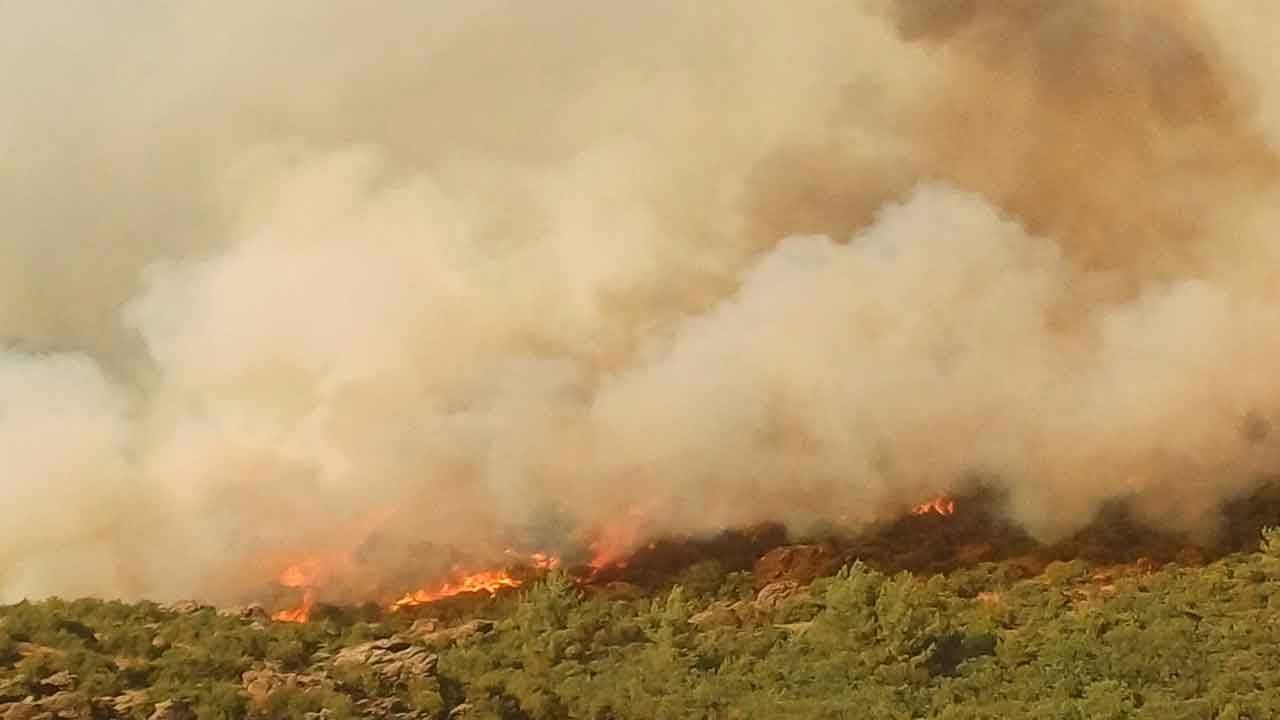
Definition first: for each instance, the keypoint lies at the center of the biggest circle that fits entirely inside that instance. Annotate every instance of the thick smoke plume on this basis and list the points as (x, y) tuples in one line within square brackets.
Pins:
[(372, 281)]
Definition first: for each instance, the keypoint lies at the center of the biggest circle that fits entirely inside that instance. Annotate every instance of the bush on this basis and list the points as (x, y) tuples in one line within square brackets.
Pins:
[(1190, 642)]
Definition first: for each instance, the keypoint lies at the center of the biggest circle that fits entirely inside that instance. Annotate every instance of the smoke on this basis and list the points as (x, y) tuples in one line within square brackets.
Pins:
[(300, 281)]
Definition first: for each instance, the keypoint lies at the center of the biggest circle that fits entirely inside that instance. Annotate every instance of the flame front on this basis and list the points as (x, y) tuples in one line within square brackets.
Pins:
[(490, 581), (939, 506)]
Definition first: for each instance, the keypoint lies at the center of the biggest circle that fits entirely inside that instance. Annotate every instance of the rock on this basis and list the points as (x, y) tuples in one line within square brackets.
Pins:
[(441, 639), (394, 659), (423, 626), (616, 590), (68, 706), (186, 607), (252, 613), (58, 681), (124, 704), (772, 595), (380, 707), (124, 663), (799, 563), (260, 683), (27, 649), (172, 710), (23, 710), (159, 643), (720, 614), (12, 689), (59, 706)]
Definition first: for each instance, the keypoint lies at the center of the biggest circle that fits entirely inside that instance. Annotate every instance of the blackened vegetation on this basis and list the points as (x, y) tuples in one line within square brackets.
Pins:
[(978, 532)]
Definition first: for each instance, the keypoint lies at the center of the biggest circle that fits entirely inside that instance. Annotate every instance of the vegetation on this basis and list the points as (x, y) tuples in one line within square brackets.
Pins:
[(1074, 642)]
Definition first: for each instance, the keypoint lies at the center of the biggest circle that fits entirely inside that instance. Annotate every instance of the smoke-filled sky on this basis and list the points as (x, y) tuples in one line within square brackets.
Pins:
[(277, 277)]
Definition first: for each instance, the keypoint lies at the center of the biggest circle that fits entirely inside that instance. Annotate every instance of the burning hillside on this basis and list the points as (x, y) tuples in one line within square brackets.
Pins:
[(944, 534)]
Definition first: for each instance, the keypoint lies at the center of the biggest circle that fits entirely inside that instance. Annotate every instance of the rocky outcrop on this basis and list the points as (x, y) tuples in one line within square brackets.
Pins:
[(172, 710), (771, 596), (187, 607), (394, 660), (390, 709), (59, 681), (432, 636), (797, 563), (720, 614), (260, 683), (253, 614), (125, 705), (59, 706)]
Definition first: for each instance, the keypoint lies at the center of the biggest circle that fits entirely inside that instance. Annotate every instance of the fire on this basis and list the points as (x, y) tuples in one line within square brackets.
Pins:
[(316, 571), (614, 542), (323, 563), (300, 614), (301, 576), (609, 548), (940, 506), (490, 581)]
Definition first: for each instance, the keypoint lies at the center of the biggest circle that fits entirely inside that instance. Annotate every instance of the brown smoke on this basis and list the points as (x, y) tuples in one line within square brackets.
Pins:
[(363, 280)]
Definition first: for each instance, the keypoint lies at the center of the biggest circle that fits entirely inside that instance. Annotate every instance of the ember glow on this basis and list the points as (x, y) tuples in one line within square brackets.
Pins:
[(939, 506)]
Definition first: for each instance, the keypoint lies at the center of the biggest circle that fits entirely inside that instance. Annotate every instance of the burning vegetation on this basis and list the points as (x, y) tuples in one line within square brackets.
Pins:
[(945, 534), (785, 637)]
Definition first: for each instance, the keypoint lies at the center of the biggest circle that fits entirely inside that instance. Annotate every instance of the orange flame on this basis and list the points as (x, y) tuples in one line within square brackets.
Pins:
[(613, 543), (323, 563), (300, 614), (940, 506), (298, 576), (490, 581)]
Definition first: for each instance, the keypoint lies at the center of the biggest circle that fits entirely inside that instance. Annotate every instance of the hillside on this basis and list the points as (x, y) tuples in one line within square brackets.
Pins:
[(1077, 640)]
